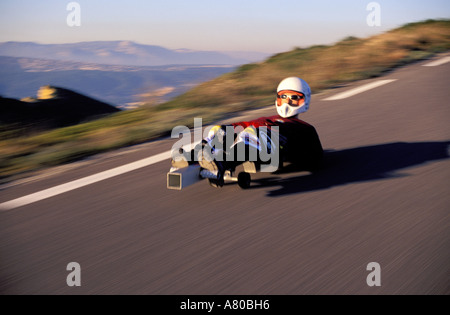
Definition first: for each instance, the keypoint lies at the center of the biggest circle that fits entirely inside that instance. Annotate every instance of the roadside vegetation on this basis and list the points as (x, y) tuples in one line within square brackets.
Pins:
[(250, 86)]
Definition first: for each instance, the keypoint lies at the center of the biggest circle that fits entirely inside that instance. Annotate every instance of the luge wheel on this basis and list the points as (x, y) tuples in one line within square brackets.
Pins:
[(244, 180)]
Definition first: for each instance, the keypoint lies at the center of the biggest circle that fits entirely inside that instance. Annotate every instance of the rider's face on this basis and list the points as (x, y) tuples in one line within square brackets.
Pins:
[(290, 97)]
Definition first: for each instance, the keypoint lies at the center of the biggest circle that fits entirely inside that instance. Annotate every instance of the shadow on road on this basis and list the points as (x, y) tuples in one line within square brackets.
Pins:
[(357, 165)]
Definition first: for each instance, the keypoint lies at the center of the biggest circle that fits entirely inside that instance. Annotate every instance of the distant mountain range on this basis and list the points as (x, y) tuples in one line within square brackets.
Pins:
[(121, 86), (122, 73), (52, 108), (125, 53)]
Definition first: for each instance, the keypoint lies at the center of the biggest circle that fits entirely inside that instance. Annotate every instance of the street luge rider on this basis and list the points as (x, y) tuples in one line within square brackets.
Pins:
[(298, 141)]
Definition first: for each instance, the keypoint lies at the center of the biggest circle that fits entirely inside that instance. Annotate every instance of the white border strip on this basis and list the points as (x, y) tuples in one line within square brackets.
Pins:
[(438, 62), (358, 90)]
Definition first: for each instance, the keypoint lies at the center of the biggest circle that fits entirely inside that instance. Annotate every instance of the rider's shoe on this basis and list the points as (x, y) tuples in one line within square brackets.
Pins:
[(182, 159)]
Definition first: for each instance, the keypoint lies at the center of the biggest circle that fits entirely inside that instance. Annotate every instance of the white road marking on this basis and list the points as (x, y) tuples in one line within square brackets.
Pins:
[(60, 189), (438, 62), (358, 90)]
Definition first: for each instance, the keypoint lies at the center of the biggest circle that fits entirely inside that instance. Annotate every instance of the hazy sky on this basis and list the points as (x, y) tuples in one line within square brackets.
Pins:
[(248, 25)]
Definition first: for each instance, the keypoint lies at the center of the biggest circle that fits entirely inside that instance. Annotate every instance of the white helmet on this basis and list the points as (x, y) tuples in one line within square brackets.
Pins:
[(297, 85)]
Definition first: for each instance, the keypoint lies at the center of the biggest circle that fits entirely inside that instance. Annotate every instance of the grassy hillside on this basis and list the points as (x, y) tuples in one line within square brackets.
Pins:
[(322, 66), (250, 86)]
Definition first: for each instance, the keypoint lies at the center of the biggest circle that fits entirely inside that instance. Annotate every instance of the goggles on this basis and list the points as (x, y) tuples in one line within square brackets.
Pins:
[(293, 97)]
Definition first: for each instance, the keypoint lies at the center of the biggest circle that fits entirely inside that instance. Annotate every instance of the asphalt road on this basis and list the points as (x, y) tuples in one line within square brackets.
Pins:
[(383, 196)]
